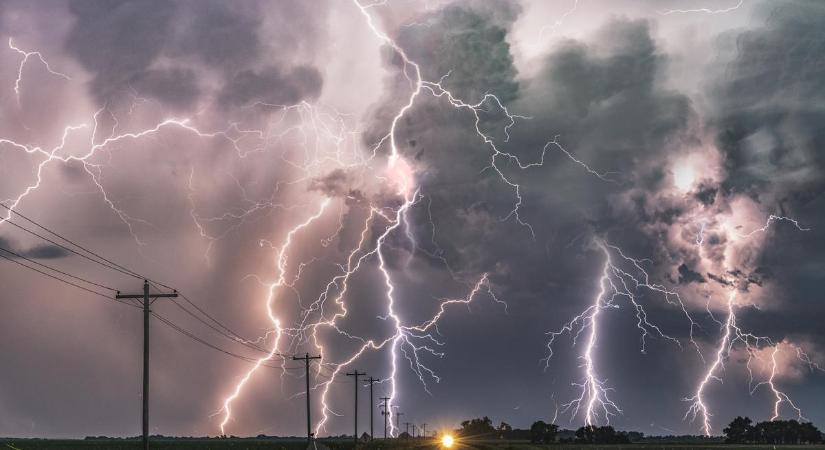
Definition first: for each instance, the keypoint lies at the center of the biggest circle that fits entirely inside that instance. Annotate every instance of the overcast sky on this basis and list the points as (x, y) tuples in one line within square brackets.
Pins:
[(495, 207)]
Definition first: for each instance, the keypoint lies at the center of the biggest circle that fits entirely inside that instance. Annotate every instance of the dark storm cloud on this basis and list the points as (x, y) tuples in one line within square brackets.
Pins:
[(603, 96), (39, 251), (272, 85), (468, 42), (118, 40), (769, 110), (686, 275), (770, 103), (128, 44)]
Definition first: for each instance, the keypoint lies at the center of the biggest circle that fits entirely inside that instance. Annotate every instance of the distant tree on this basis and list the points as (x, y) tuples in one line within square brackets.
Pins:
[(739, 431), (810, 434), (504, 430), (592, 434), (785, 432), (635, 436), (477, 427), (543, 433)]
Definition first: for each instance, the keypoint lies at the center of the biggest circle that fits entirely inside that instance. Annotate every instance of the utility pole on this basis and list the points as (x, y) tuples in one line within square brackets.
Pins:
[(147, 298), (385, 413), (407, 428), (306, 359), (356, 374), (372, 381), (424, 430), (397, 420)]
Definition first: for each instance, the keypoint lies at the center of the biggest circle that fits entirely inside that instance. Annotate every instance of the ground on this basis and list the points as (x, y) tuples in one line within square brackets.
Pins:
[(255, 444)]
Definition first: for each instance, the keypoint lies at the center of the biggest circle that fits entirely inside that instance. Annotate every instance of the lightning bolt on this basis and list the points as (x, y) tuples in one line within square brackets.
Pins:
[(281, 261), (26, 55), (704, 10), (733, 334), (616, 283)]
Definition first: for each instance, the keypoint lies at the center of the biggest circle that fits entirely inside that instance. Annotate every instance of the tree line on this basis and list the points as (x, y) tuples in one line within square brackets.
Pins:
[(544, 433), (742, 431)]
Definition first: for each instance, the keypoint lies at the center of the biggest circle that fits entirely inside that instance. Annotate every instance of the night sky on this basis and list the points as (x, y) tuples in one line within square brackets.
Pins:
[(528, 210)]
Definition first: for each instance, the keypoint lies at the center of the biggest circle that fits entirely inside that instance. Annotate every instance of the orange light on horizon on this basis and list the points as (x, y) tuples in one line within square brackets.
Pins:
[(447, 441)]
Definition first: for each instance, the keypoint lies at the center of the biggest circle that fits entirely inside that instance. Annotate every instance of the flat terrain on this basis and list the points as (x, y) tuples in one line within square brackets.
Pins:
[(255, 444)]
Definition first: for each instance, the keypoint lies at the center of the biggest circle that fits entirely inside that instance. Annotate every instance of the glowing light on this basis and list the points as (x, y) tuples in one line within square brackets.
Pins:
[(447, 441), (684, 176)]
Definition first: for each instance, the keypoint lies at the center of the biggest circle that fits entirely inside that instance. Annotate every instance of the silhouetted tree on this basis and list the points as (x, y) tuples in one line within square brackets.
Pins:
[(592, 434), (739, 431), (504, 430), (543, 433), (477, 427)]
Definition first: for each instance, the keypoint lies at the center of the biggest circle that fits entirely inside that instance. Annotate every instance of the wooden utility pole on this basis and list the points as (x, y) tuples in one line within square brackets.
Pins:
[(397, 420), (356, 374), (385, 412), (407, 428), (372, 381), (424, 430), (306, 359), (147, 299)]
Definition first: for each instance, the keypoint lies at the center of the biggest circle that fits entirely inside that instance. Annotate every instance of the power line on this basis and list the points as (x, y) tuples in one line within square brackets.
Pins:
[(71, 250), (57, 270), (106, 262), (195, 338), (234, 338), (91, 291)]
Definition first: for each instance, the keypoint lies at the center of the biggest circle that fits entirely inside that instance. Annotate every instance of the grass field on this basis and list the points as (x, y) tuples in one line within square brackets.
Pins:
[(253, 444)]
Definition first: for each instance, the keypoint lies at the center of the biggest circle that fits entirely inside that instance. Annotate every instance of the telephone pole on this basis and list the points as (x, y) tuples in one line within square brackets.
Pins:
[(306, 359), (424, 430), (397, 420), (407, 428), (385, 413), (147, 299), (372, 381), (356, 374)]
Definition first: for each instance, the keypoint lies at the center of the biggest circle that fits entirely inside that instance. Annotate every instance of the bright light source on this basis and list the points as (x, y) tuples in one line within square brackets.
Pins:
[(447, 441), (684, 176)]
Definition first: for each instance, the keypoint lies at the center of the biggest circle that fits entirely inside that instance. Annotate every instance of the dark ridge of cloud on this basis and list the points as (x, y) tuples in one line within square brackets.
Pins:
[(125, 44), (468, 41), (177, 86), (217, 34), (720, 279), (118, 40), (337, 183), (770, 103), (40, 251), (272, 85), (686, 275)]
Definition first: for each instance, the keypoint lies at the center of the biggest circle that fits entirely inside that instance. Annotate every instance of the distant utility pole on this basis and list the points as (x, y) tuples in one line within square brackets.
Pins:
[(407, 428), (397, 419), (356, 374), (424, 430), (147, 298), (306, 359), (372, 381), (385, 413)]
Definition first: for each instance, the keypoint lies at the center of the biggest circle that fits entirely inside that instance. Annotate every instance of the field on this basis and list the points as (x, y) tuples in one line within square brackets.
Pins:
[(254, 444)]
